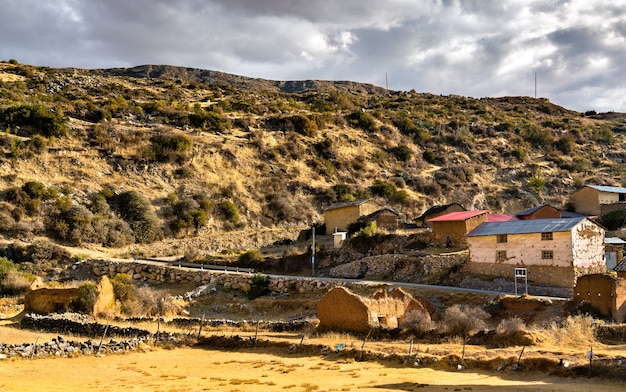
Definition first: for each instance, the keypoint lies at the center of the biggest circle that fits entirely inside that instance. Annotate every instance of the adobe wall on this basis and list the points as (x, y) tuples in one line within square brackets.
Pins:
[(605, 293), (543, 275), (585, 201), (340, 218)]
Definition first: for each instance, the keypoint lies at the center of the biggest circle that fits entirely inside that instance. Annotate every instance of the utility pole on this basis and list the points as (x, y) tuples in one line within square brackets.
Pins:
[(535, 84), (386, 81), (313, 252)]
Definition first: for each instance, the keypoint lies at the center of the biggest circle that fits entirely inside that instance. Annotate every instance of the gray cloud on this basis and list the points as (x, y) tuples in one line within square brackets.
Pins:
[(468, 47)]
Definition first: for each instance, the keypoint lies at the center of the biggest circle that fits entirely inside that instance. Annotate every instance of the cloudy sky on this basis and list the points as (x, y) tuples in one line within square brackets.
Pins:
[(576, 49)]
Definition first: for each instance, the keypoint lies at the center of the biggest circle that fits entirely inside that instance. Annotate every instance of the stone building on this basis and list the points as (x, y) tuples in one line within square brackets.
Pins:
[(553, 251), (385, 218)]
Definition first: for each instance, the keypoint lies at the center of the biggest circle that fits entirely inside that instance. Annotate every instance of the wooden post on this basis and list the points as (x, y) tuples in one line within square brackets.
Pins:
[(363, 345), (256, 333), (34, 349), (302, 340), (520, 356), (106, 328), (201, 324), (410, 349), (463, 353)]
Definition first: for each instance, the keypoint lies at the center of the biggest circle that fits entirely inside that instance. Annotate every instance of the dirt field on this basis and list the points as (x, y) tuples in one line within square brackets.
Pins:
[(273, 368)]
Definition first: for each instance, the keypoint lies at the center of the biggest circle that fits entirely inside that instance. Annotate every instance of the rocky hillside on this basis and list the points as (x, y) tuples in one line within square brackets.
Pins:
[(121, 160)]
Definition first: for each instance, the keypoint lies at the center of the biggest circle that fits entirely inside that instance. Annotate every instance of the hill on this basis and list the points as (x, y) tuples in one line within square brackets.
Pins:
[(158, 160)]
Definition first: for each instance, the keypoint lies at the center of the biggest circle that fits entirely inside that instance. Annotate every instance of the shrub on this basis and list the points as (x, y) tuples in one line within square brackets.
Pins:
[(87, 296), (415, 321), (383, 189), (170, 148), (135, 209), (402, 152), (613, 220), (250, 257), (259, 286), (429, 156), (510, 325), (47, 121), (363, 121), (463, 320), (150, 302), (6, 266), (537, 182), (230, 211)]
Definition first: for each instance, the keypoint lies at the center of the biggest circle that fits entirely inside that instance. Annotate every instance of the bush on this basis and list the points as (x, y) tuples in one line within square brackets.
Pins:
[(363, 121), (230, 211), (510, 326), (15, 283), (251, 257), (87, 296), (170, 148), (259, 286), (613, 220), (135, 209), (383, 189), (402, 152), (463, 320)]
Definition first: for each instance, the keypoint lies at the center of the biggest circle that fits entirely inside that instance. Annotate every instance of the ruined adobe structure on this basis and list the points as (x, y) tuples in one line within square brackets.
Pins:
[(603, 292), (42, 299), (342, 310)]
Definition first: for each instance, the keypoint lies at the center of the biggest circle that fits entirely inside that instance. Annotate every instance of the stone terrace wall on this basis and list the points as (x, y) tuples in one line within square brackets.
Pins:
[(156, 273)]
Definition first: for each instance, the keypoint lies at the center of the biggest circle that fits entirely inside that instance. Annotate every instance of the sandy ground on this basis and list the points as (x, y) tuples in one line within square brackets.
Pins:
[(255, 369), (192, 369)]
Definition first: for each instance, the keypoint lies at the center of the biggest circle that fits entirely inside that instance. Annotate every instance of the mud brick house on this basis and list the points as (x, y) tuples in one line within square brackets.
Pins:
[(385, 218), (603, 292), (435, 211), (553, 251), (456, 225), (338, 217), (599, 200), (342, 310)]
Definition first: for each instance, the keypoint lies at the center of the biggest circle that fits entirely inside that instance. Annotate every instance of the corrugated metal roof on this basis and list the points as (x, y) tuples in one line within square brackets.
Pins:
[(501, 218), (609, 189), (439, 208), (347, 204), (529, 211), (525, 226), (458, 216), (614, 241)]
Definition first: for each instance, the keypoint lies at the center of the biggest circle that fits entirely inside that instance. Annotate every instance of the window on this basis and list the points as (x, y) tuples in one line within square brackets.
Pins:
[(546, 236), (501, 238), (547, 254), (501, 255)]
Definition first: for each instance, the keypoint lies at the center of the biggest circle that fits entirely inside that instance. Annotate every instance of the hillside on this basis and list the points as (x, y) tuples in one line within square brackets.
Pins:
[(159, 160)]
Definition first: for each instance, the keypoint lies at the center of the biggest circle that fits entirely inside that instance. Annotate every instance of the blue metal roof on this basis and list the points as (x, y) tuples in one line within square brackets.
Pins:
[(525, 226), (609, 189), (614, 241)]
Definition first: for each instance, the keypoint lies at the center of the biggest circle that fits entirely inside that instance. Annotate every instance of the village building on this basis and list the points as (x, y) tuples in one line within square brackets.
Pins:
[(603, 292), (435, 211), (43, 299), (339, 216), (385, 218), (342, 310), (552, 251), (454, 226), (620, 269), (599, 200), (543, 211), (614, 251)]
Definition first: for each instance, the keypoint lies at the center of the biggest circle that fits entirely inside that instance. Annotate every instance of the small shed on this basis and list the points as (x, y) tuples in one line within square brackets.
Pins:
[(385, 218), (614, 251), (337, 217), (435, 211), (620, 269), (456, 225)]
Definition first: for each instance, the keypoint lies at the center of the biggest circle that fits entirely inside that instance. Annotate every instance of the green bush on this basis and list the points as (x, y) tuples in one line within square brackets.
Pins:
[(363, 121), (259, 286), (613, 220), (402, 152), (43, 120), (429, 156), (123, 288), (383, 189), (135, 209), (230, 211), (250, 258), (170, 148), (87, 296), (6, 265)]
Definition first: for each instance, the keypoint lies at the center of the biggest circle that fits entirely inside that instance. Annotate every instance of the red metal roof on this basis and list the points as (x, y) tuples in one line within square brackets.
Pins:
[(501, 218), (458, 216)]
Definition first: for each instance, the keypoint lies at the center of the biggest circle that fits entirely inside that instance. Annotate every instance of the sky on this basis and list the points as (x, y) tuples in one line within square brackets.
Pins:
[(572, 52)]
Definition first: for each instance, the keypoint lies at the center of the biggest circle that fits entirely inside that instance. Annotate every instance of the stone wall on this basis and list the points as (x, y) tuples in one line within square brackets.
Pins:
[(157, 273)]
